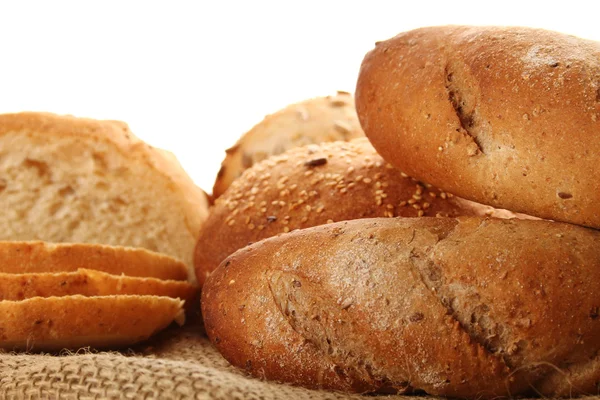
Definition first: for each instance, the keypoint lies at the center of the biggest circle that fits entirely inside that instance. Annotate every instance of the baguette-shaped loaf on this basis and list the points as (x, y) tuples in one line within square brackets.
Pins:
[(317, 120), (314, 185), (508, 117), (76, 180), (467, 307)]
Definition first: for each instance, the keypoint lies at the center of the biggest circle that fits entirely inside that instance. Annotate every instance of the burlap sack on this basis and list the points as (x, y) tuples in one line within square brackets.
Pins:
[(178, 364)]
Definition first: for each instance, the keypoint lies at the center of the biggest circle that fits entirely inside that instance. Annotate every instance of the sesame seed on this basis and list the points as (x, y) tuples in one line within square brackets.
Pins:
[(420, 213), (351, 185), (293, 187), (286, 229), (426, 205), (416, 197), (432, 194), (304, 219), (416, 206), (247, 220), (308, 173), (378, 200), (350, 170), (402, 174), (390, 206), (330, 221), (440, 148), (263, 203), (320, 209), (358, 178), (389, 166), (450, 195), (251, 226), (343, 190), (367, 180), (443, 195), (231, 222), (261, 227), (377, 176), (388, 214), (231, 282), (402, 203), (411, 201), (263, 210), (308, 207)]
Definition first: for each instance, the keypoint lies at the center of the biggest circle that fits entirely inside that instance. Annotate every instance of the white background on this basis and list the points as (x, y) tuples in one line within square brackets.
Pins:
[(192, 77)]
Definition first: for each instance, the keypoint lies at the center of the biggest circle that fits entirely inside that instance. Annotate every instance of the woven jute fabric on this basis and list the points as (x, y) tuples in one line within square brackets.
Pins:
[(177, 364)]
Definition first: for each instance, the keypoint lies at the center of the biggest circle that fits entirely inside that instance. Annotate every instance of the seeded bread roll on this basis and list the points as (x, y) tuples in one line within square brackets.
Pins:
[(76, 180), (322, 119), (376, 304), (314, 185), (504, 116)]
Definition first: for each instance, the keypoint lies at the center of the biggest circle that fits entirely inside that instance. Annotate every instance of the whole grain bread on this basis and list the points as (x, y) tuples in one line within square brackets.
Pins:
[(466, 307), (321, 119), (72, 322), (66, 179), (35, 257), (314, 185), (504, 116)]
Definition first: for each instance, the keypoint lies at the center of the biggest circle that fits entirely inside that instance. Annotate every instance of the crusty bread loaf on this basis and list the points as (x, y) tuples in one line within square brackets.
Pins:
[(31, 257), (504, 116), (467, 307), (321, 119), (72, 322), (65, 179), (89, 283), (314, 185)]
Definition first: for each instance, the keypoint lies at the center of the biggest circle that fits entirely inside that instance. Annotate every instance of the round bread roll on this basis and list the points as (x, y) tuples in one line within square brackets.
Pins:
[(468, 308), (43, 257), (77, 180), (73, 322), (321, 119), (503, 116), (314, 185)]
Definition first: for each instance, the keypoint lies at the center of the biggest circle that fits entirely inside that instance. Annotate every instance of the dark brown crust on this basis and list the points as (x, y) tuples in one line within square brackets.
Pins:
[(314, 185), (392, 302), (503, 116)]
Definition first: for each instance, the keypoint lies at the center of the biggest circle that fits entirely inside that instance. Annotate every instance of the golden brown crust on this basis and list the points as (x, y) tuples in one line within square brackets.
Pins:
[(72, 322), (392, 302), (89, 283), (317, 120), (30, 257), (314, 185), (504, 116)]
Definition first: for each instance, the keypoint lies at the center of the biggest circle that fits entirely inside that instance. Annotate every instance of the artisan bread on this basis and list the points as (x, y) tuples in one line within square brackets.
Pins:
[(66, 179), (314, 185), (89, 283), (31, 257), (467, 307), (321, 119), (72, 322), (503, 116)]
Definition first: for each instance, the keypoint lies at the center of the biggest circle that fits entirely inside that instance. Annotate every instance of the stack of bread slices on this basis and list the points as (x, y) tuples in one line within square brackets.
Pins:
[(96, 235), (315, 282)]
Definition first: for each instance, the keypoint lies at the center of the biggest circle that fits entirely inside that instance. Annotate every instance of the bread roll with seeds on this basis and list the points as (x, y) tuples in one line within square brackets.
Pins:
[(314, 185), (73, 322), (35, 257), (321, 119), (391, 303), (504, 116), (76, 180)]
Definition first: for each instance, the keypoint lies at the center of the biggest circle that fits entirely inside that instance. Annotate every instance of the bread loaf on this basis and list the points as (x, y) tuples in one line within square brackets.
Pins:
[(322, 119), (503, 116), (314, 185), (467, 307), (72, 322), (65, 179), (36, 257)]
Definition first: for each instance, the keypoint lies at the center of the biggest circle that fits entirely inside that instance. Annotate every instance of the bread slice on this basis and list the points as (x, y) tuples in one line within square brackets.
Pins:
[(86, 282), (72, 322), (34, 257), (66, 179), (317, 120)]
